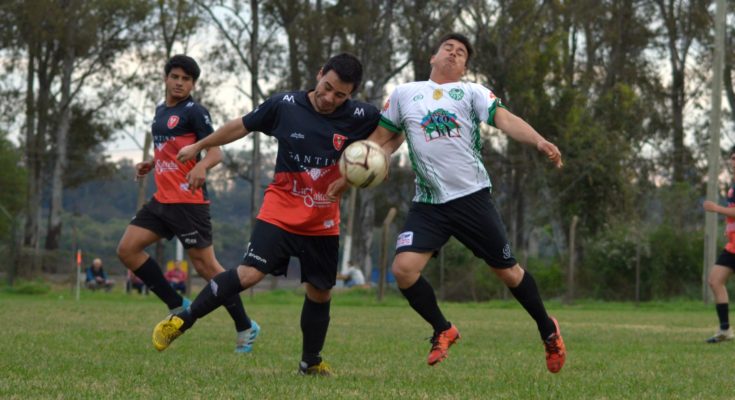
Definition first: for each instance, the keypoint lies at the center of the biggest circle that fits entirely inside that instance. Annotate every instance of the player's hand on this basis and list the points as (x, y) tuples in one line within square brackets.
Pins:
[(336, 188), (710, 206), (196, 176), (187, 153), (143, 168), (551, 151)]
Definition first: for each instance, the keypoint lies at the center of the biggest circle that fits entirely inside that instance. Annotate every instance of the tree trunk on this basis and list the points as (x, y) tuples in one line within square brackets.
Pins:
[(33, 198), (53, 234)]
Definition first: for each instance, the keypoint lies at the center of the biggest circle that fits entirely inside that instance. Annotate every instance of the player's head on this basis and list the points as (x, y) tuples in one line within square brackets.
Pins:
[(97, 263), (336, 81), (186, 63), (347, 67), (452, 55), (182, 73)]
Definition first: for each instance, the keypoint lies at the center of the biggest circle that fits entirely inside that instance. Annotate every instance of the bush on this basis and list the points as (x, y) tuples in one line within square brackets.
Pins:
[(29, 287), (670, 263)]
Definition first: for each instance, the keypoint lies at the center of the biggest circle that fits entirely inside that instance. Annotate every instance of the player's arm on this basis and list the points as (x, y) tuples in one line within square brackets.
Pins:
[(521, 131), (390, 141), (198, 174), (227, 133), (714, 207)]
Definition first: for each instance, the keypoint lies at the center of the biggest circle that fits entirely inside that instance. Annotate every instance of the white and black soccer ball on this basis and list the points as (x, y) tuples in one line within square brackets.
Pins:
[(364, 164)]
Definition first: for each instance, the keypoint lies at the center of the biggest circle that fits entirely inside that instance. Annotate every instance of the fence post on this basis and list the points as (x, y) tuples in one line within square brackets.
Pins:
[(384, 251), (572, 268)]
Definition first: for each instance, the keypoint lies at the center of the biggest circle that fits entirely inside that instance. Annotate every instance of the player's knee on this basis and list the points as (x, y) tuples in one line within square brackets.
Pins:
[(715, 282), (123, 252)]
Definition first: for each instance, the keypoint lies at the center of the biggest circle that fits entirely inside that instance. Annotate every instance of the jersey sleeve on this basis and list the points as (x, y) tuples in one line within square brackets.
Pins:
[(485, 103), (201, 122), (390, 117), (262, 118)]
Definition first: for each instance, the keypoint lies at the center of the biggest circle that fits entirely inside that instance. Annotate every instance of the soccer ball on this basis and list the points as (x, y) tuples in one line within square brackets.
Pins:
[(364, 164)]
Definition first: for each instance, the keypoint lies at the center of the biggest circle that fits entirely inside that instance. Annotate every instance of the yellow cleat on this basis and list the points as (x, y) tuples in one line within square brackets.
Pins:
[(321, 369), (166, 332)]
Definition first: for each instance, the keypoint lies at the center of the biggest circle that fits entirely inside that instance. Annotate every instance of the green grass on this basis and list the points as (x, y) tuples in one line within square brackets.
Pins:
[(52, 346)]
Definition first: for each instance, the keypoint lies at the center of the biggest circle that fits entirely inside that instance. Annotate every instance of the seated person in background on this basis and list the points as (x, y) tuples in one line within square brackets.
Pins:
[(97, 277), (353, 276), (134, 282), (176, 278)]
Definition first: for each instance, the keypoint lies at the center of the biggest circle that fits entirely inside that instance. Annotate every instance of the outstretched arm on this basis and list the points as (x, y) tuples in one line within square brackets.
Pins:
[(521, 131), (227, 133), (389, 141), (198, 174), (714, 207)]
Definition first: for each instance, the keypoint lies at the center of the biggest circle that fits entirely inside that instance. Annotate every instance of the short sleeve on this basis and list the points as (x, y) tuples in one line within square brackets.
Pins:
[(390, 117), (262, 118), (485, 103), (201, 122)]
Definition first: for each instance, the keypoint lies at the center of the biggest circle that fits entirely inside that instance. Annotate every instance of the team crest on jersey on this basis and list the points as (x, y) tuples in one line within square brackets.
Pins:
[(456, 94), (172, 121), (438, 93), (440, 123), (338, 141)]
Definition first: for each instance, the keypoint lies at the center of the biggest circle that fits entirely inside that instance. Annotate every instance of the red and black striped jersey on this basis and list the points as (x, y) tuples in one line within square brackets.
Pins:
[(173, 128), (309, 146)]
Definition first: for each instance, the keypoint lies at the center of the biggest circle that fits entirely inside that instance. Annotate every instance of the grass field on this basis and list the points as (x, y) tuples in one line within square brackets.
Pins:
[(52, 346)]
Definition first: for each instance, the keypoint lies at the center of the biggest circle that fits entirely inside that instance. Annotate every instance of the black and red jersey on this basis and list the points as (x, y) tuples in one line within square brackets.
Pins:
[(309, 145), (173, 128)]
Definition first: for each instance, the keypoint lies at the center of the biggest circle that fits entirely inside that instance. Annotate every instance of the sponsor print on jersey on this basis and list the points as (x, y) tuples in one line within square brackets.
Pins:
[(404, 239), (312, 198), (440, 123), (506, 252), (172, 121), (456, 94), (338, 141), (418, 97), (163, 166), (311, 160)]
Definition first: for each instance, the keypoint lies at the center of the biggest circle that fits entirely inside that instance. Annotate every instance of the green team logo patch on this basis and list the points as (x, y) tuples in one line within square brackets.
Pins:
[(456, 94), (440, 123)]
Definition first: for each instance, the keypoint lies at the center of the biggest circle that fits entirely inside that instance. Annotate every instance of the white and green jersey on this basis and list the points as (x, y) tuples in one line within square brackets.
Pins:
[(442, 127)]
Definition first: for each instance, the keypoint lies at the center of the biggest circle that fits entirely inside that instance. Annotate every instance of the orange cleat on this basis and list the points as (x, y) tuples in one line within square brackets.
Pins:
[(440, 343), (556, 352)]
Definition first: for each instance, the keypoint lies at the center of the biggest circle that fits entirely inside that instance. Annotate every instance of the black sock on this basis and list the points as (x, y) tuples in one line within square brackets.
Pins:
[(215, 293), (237, 312), (722, 314), (314, 325), (150, 273), (527, 294), (421, 297)]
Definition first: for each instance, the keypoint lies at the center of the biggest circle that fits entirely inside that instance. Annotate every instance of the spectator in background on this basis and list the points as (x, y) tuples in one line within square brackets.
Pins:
[(135, 283), (353, 276), (176, 277), (97, 277)]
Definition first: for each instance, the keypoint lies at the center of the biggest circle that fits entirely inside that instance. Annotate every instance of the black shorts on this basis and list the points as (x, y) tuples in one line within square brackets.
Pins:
[(726, 259), (271, 247), (472, 219), (189, 222)]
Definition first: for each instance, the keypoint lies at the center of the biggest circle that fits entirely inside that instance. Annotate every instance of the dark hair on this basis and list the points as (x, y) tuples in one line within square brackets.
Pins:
[(184, 62), (347, 67), (458, 37), (732, 150)]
